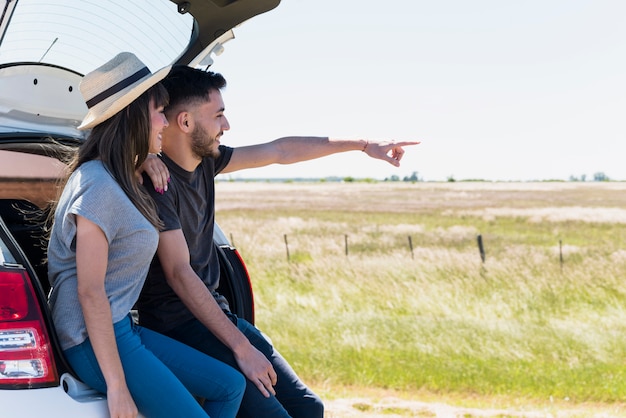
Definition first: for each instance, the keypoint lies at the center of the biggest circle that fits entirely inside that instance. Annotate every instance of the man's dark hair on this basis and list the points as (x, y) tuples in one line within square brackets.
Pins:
[(187, 85)]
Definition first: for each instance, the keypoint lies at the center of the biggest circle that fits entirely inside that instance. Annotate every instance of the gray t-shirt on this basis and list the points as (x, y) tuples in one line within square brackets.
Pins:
[(93, 193)]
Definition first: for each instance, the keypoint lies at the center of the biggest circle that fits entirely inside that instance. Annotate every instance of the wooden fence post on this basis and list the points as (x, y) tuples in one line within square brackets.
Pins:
[(345, 237), (481, 248), (411, 246), (287, 246)]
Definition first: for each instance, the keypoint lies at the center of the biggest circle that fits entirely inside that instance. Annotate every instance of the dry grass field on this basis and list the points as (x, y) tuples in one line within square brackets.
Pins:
[(400, 197), (377, 294)]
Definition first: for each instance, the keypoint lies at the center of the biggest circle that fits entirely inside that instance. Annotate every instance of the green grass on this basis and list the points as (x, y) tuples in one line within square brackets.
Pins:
[(439, 320)]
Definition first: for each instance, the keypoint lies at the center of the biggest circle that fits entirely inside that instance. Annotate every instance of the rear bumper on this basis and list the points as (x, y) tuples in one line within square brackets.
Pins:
[(53, 402)]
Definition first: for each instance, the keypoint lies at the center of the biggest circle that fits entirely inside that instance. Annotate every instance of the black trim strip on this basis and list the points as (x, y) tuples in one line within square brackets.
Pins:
[(116, 88)]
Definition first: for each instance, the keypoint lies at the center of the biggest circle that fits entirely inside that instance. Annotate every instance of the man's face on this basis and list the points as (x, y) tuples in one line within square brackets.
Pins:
[(209, 126)]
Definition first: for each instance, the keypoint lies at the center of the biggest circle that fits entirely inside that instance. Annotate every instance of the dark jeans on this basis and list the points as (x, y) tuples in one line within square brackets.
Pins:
[(293, 398)]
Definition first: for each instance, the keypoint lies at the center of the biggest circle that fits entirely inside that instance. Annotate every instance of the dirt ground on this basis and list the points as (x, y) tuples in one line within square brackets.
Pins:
[(391, 407)]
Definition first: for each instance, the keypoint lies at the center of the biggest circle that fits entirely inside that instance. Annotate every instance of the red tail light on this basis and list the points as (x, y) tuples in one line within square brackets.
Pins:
[(26, 358), (249, 285)]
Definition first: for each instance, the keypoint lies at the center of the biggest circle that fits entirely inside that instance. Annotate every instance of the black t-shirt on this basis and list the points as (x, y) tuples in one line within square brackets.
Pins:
[(188, 204)]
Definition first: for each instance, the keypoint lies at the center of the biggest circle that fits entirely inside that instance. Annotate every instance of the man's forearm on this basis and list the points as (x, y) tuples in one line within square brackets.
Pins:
[(199, 300), (289, 150), (294, 149), (253, 363)]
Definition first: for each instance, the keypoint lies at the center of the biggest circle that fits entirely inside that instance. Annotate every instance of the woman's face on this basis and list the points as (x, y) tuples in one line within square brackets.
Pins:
[(158, 122)]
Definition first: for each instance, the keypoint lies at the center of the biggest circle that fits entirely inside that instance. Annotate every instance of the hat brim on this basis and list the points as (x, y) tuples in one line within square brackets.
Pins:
[(104, 111)]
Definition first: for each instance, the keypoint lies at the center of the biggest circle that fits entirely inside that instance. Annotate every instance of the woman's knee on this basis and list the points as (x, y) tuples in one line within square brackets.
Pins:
[(238, 384)]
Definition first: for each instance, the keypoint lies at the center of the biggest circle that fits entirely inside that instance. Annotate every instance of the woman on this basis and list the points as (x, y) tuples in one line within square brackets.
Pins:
[(104, 236)]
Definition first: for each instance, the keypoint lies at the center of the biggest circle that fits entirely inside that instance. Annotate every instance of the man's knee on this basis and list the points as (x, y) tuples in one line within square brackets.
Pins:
[(316, 408)]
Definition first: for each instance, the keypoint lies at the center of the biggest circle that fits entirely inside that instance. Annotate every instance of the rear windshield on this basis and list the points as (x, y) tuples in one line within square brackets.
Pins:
[(81, 35)]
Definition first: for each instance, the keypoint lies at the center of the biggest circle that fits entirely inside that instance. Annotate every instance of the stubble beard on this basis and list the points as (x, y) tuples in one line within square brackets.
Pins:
[(202, 144)]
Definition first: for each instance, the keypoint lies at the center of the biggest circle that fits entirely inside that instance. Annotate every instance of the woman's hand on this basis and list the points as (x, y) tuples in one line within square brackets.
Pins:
[(121, 404), (158, 172)]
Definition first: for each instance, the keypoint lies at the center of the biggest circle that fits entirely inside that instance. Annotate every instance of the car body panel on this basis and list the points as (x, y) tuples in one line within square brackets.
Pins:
[(216, 17), (38, 402)]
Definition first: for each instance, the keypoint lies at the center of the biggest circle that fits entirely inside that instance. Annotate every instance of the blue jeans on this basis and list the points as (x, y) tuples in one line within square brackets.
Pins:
[(293, 398), (162, 374)]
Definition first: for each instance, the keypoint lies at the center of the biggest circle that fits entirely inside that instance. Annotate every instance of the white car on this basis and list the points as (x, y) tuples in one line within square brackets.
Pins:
[(45, 49)]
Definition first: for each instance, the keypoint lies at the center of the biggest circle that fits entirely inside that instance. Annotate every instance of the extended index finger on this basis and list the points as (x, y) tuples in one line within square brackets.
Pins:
[(405, 143)]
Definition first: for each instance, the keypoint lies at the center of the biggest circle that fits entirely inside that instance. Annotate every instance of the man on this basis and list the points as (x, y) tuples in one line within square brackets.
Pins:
[(179, 298)]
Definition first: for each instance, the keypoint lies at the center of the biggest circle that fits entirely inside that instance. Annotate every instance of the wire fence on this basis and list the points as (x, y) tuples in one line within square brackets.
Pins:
[(479, 241)]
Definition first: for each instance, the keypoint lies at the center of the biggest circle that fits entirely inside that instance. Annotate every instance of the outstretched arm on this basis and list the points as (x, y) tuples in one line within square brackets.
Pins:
[(293, 149), (174, 256)]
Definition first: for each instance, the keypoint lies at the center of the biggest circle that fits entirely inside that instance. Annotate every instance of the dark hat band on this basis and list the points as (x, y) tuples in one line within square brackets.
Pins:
[(116, 88)]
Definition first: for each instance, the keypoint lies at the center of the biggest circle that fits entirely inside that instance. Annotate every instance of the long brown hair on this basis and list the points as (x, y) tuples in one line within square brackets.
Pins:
[(122, 143)]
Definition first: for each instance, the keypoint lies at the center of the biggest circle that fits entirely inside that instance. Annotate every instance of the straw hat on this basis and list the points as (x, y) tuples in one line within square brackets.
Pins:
[(113, 86)]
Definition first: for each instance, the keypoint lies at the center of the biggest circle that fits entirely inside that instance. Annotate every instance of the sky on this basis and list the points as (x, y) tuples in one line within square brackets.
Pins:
[(496, 90)]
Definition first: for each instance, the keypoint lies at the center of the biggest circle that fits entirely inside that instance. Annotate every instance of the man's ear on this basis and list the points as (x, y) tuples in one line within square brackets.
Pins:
[(183, 120)]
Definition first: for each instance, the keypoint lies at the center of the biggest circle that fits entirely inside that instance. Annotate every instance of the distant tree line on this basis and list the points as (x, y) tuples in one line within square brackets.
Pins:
[(599, 176), (413, 178)]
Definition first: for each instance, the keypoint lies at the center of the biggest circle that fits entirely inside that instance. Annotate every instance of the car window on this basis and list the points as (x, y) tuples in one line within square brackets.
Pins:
[(83, 34), (5, 254)]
